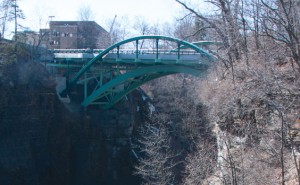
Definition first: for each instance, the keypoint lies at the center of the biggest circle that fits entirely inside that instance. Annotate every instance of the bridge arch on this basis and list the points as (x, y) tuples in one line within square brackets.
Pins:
[(141, 76)]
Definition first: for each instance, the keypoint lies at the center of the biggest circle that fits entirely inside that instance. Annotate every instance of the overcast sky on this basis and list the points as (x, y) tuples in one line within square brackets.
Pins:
[(37, 12)]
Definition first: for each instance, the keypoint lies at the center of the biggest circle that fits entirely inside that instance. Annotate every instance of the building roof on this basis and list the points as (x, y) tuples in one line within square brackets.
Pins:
[(77, 23)]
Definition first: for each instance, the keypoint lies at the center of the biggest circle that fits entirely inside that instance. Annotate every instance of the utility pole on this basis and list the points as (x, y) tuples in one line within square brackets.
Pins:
[(50, 19), (112, 24), (16, 21)]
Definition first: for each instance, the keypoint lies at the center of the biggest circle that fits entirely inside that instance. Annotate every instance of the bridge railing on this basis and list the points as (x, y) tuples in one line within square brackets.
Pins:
[(127, 51)]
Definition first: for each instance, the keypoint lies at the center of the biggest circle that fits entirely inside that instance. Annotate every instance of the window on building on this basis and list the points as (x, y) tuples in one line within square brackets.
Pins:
[(66, 34), (54, 42), (55, 33)]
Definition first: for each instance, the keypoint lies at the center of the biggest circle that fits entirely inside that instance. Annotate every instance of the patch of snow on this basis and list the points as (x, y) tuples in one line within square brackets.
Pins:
[(60, 86), (134, 154), (11, 84), (239, 140), (221, 148), (151, 108)]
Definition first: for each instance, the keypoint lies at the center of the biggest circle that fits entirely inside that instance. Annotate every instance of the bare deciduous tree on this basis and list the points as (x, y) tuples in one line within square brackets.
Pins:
[(280, 20), (4, 15), (156, 161), (85, 13), (10, 11)]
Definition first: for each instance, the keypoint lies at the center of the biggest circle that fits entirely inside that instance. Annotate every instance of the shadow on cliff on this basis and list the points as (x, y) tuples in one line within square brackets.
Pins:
[(42, 143)]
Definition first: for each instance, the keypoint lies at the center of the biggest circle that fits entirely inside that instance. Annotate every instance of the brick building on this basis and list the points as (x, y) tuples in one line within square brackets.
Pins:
[(74, 35)]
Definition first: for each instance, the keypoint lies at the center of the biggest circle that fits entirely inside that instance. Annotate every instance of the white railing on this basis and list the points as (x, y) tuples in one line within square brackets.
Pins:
[(127, 51)]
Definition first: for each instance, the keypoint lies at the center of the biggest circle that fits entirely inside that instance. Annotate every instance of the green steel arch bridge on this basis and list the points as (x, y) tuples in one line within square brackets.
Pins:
[(108, 75)]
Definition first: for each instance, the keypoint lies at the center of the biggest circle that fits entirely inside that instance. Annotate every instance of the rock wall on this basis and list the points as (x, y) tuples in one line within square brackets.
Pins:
[(42, 143)]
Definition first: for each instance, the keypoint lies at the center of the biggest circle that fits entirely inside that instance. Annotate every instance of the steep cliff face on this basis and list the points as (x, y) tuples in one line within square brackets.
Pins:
[(41, 142), (256, 124)]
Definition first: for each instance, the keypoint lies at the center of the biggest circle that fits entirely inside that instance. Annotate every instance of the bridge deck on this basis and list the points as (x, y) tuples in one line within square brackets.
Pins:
[(187, 57)]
